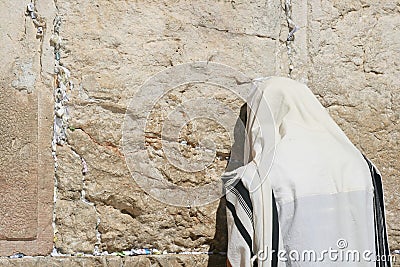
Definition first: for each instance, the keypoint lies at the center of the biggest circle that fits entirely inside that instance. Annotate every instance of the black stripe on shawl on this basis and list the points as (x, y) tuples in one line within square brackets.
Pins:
[(242, 230), (243, 195), (242, 203), (381, 242), (275, 223), (275, 233)]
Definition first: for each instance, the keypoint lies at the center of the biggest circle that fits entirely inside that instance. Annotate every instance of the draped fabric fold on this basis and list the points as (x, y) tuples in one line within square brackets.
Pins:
[(304, 195)]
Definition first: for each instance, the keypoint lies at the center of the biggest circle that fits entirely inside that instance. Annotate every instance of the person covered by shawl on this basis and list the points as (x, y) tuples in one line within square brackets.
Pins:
[(305, 195)]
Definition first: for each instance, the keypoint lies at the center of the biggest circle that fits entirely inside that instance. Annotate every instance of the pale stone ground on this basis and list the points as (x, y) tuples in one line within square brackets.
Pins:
[(345, 51)]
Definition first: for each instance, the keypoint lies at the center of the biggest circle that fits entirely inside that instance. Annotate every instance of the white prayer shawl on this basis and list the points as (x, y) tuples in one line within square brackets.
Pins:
[(305, 188)]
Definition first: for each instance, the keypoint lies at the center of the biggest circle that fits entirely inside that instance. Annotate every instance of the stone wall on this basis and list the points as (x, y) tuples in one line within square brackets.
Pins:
[(99, 53), (111, 50)]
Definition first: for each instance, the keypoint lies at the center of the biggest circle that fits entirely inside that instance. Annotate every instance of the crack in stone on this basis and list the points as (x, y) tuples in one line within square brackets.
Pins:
[(107, 145), (61, 117), (40, 35), (292, 27), (233, 33), (84, 199), (53, 143)]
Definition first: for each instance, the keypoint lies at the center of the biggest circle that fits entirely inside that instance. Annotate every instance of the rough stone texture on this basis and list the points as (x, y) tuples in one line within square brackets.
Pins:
[(26, 165), (69, 174), (76, 219), (133, 261), (344, 52), (111, 51), (113, 261), (76, 227), (347, 52)]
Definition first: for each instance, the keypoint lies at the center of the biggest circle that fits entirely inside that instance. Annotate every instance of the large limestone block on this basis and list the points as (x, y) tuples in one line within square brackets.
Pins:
[(26, 164), (111, 50)]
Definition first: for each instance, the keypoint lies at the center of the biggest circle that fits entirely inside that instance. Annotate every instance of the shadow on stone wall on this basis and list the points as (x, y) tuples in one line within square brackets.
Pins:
[(219, 242)]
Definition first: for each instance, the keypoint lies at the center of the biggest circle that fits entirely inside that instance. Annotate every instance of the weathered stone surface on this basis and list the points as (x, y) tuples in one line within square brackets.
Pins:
[(26, 165), (115, 48), (129, 217), (343, 52), (69, 174), (76, 224), (113, 261), (347, 53), (132, 261)]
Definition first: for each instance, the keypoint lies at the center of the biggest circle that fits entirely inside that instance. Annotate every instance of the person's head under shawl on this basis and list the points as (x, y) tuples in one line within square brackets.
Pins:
[(305, 191)]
